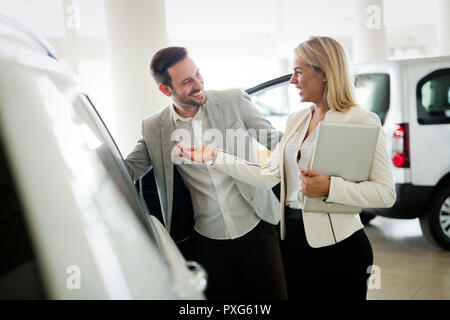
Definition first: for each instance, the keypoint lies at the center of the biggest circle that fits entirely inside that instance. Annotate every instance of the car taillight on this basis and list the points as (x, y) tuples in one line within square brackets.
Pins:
[(400, 146), (399, 132)]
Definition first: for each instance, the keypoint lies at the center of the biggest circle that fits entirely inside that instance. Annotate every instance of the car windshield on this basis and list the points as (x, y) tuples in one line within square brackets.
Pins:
[(373, 92)]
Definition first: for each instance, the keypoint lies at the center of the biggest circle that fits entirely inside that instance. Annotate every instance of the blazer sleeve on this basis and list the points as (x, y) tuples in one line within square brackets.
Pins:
[(379, 190), (257, 125), (138, 162), (266, 176)]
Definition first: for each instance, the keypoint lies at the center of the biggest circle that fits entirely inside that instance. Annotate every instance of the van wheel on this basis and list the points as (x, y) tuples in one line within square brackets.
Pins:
[(436, 223)]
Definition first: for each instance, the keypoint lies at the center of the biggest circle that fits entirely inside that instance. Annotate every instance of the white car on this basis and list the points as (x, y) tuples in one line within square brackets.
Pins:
[(412, 99), (72, 225)]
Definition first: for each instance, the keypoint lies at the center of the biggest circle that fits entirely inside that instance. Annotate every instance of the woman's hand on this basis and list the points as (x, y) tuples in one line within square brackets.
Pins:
[(201, 153), (315, 184)]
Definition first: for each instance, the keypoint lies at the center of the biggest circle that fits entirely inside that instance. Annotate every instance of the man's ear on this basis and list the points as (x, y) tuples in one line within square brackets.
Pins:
[(166, 90)]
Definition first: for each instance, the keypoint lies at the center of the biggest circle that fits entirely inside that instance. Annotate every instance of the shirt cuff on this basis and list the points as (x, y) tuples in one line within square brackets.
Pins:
[(334, 186), (219, 155)]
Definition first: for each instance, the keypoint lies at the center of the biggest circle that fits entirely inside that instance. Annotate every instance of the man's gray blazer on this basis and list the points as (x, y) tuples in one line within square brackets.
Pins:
[(230, 109)]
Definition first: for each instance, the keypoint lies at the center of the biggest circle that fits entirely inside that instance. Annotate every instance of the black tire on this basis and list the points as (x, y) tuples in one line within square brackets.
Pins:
[(435, 231), (366, 217)]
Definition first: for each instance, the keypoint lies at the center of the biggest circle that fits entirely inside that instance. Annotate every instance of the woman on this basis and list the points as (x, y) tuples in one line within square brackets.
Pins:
[(325, 254)]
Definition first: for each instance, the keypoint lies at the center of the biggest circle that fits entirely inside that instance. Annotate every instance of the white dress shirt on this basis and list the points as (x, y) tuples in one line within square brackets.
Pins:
[(293, 166), (220, 211)]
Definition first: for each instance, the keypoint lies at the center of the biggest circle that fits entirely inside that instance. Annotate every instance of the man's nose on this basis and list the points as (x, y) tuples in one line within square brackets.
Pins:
[(197, 84)]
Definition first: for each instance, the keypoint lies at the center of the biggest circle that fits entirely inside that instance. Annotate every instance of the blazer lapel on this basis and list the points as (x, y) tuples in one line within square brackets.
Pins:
[(215, 117), (214, 114), (167, 127), (289, 133), (329, 117)]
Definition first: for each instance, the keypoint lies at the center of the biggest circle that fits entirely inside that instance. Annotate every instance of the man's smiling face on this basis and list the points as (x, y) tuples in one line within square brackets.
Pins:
[(186, 83)]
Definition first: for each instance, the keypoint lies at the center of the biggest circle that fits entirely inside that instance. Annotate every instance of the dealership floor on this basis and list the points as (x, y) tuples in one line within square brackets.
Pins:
[(409, 266)]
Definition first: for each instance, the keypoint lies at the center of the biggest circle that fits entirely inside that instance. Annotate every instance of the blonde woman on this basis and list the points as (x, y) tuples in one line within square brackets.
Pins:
[(326, 255)]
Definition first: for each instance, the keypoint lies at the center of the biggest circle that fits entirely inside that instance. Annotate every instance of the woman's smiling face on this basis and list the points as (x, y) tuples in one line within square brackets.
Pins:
[(310, 83)]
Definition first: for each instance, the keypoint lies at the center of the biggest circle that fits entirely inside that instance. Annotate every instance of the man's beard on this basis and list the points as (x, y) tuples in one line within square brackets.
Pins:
[(189, 102)]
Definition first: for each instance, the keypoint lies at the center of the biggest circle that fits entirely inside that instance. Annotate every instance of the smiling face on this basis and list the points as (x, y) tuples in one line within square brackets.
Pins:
[(186, 84), (309, 82)]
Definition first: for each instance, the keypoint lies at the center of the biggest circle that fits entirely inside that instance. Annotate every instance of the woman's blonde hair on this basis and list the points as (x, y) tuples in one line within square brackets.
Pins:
[(327, 55)]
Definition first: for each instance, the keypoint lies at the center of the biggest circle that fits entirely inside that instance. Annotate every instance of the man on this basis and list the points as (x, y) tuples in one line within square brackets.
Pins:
[(231, 227)]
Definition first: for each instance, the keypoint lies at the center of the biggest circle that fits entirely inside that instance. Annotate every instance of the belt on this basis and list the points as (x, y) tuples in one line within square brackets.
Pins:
[(291, 213)]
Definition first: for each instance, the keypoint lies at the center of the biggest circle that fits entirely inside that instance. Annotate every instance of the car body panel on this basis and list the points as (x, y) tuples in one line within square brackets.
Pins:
[(430, 143)]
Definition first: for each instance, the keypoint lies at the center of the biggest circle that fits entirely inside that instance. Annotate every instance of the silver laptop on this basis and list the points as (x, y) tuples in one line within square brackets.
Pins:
[(344, 150)]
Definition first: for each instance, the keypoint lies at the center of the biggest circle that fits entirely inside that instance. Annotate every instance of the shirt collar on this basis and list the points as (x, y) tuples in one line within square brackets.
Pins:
[(330, 111), (178, 119)]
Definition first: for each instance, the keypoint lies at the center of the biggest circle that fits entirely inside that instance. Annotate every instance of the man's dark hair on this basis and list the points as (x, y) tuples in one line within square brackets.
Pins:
[(163, 60)]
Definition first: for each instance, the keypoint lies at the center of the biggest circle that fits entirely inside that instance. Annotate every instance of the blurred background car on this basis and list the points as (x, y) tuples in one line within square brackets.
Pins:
[(72, 225)]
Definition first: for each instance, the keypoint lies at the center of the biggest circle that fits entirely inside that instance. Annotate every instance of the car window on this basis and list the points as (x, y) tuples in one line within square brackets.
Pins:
[(19, 276), (273, 102), (277, 102), (433, 98), (373, 93), (97, 134)]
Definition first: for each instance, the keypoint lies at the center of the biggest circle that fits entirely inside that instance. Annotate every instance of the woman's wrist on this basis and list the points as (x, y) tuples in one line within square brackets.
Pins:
[(327, 192), (213, 155)]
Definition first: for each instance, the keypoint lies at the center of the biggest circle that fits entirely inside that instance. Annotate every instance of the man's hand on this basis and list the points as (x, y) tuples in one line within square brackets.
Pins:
[(315, 184), (200, 154)]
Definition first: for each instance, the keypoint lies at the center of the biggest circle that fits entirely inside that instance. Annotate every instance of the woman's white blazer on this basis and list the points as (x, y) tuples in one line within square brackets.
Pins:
[(322, 229)]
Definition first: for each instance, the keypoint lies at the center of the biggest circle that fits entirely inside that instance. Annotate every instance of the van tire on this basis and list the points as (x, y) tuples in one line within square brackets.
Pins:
[(430, 223)]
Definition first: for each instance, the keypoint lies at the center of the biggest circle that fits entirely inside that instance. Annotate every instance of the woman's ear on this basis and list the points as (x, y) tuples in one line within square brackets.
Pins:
[(324, 77), (166, 90)]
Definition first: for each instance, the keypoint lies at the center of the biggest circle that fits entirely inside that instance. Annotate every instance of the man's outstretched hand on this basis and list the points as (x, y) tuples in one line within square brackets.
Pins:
[(200, 154)]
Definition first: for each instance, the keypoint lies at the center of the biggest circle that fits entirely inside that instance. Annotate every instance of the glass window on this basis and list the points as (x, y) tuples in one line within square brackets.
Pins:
[(373, 93), (277, 102), (273, 102), (99, 139), (433, 98)]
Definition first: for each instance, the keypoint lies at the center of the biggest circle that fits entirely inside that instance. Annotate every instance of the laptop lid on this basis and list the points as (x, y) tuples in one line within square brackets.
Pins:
[(344, 150)]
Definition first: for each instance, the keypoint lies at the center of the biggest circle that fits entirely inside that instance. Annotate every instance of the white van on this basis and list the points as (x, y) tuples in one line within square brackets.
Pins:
[(412, 99), (72, 225)]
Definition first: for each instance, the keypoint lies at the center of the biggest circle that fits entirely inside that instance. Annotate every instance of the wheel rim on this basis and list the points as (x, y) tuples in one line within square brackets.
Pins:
[(444, 217)]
